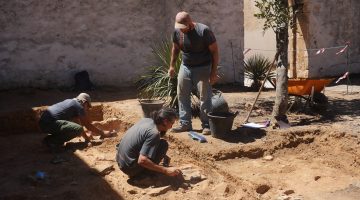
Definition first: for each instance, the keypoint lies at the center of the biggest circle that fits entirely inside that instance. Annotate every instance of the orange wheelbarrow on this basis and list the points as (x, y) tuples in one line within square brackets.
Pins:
[(309, 89)]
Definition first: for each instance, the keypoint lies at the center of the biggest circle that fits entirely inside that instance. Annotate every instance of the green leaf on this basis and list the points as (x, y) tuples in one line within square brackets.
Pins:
[(255, 69), (155, 83)]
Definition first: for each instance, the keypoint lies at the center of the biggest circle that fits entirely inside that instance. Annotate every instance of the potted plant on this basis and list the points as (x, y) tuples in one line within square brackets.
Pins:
[(155, 83)]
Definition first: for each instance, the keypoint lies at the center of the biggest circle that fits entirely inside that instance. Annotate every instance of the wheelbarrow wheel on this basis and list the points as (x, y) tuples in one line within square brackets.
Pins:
[(320, 101), (320, 98)]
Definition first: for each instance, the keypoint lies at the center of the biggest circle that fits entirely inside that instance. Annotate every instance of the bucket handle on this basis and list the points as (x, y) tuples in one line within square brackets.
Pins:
[(216, 92)]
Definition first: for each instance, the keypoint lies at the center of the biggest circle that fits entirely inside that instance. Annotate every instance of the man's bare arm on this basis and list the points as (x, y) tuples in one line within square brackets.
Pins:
[(86, 122), (174, 55), (213, 48), (148, 164)]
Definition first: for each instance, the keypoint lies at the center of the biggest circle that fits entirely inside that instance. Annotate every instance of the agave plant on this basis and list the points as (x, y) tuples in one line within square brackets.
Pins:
[(156, 83), (255, 69)]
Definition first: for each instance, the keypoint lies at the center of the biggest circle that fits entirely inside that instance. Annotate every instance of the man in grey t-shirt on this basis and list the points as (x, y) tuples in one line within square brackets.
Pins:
[(142, 147), (198, 69), (64, 121)]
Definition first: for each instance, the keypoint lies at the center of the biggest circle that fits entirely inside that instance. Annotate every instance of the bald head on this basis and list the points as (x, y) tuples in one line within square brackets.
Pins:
[(182, 20)]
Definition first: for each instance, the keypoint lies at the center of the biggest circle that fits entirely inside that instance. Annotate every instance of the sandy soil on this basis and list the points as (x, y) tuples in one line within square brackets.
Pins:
[(317, 158)]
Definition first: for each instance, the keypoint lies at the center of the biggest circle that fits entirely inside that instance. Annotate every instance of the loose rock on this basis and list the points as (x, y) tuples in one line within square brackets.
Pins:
[(222, 189), (317, 178), (132, 191), (268, 158), (262, 189), (288, 192), (159, 191), (104, 169), (283, 197)]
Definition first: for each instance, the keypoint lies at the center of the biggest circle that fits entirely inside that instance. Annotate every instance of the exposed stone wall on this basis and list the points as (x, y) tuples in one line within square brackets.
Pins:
[(43, 43), (324, 24)]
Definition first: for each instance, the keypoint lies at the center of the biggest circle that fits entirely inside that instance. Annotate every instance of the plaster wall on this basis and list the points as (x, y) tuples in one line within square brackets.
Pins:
[(326, 24), (43, 43), (255, 38), (226, 20)]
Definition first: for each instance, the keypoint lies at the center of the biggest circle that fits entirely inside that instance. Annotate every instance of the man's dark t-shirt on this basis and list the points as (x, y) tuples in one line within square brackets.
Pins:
[(195, 45), (65, 110), (142, 138)]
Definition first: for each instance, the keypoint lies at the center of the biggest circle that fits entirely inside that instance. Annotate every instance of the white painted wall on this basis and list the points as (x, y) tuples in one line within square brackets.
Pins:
[(322, 24), (333, 23), (260, 42), (43, 43)]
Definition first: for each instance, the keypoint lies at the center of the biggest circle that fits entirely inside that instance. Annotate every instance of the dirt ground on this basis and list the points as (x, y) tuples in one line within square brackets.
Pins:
[(317, 158)]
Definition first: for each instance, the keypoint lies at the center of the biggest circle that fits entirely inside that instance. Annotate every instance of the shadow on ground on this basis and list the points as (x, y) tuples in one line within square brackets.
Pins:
[(151, 180), (23, 158), (244, 135), (336, 109)]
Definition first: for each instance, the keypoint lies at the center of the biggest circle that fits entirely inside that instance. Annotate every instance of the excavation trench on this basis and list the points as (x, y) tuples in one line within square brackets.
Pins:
[(303, 164)]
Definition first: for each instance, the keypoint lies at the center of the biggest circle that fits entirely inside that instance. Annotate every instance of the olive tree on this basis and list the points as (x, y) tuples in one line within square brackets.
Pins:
[(278, 16)]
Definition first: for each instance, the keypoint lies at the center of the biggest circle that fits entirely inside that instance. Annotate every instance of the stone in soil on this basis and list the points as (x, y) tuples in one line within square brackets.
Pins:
[(268, 158), (221, 189), (288, 192), (159, 191)]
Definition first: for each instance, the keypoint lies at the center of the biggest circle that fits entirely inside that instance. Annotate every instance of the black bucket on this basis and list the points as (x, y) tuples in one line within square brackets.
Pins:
[(221, 123), (150, 105)]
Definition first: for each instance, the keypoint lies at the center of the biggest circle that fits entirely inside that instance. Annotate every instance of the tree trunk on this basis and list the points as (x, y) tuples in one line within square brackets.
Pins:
[(281, 101)]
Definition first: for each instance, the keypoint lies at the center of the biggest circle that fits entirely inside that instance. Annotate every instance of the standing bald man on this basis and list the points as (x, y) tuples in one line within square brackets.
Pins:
[(198, 69)]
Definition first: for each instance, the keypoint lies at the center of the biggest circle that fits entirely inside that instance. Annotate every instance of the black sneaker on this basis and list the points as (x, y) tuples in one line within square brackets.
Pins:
[(181, 128), (206, 131)]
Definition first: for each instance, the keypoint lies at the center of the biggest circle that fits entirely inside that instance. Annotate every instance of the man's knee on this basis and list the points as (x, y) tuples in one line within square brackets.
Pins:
[(78, 129), (70, 127)]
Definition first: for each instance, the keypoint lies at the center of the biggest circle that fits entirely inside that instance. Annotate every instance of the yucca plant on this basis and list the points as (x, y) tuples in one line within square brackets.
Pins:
[(156, 83), (255, 69)]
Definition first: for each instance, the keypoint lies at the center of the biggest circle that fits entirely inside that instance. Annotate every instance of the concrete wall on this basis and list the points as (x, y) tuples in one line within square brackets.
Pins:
[(328, 23), (43, 43), (323, 23), (260, 42)]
